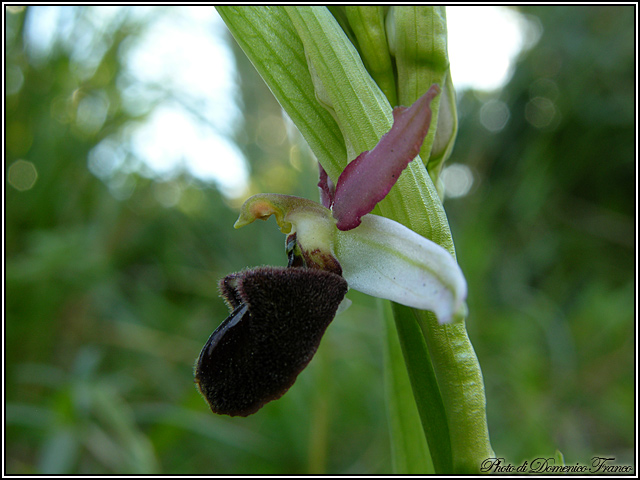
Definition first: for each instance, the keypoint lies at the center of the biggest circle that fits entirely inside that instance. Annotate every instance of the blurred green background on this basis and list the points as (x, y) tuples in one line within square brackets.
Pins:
[(111, 271)]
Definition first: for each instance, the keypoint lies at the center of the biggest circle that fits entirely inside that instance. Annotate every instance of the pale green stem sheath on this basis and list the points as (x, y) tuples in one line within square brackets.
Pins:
[(368, 26), (363, 115)]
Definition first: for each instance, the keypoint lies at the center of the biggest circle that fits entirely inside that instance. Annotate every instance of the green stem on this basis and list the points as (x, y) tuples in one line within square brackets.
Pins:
[(462, 388)]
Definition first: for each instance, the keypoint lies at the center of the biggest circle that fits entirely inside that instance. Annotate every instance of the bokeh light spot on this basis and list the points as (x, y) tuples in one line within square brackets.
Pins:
[(271, 132), (494, 115), (295, 157), (105, 158), (167, 193), (540, 112), (14, 79), (22, 175), (457, 179), (92, 112)]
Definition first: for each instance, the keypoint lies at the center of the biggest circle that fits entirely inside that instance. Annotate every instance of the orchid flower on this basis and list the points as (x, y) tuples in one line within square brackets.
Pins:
[(338, 71), (279, 314)]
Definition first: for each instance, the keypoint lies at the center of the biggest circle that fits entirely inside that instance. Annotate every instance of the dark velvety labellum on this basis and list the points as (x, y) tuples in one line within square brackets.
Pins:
[(256, 354), (229, 290)]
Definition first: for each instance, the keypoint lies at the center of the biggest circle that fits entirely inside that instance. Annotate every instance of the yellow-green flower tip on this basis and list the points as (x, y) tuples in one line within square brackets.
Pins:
[(262, 206)]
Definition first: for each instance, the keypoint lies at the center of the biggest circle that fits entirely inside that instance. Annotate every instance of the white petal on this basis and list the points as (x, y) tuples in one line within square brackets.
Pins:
[(385, 259)]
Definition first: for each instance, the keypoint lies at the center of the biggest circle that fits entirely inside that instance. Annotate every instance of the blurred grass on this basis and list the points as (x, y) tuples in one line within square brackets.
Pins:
[(110, 297)]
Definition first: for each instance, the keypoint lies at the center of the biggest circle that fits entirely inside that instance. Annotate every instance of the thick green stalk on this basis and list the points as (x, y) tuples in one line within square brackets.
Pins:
[(462, 387)]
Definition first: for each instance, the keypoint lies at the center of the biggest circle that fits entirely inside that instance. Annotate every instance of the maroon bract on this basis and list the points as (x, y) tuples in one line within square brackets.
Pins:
[(327, 188), (368, 178)]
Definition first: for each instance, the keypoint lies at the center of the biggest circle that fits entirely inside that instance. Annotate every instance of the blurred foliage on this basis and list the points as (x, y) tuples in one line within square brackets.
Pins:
[(111, 295), (546, 238), (111, 291)]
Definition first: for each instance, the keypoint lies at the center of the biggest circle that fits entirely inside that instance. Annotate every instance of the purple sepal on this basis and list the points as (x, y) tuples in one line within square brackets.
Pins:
[(327, 188), (367, 179)]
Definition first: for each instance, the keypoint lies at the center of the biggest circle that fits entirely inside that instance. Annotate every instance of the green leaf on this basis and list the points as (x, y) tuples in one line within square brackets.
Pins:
[(268, 38), (409, 448), (425, 387), (340, 78)]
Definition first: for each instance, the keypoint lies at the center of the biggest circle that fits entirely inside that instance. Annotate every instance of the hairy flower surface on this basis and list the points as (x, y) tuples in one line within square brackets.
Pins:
[(278, 318)]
